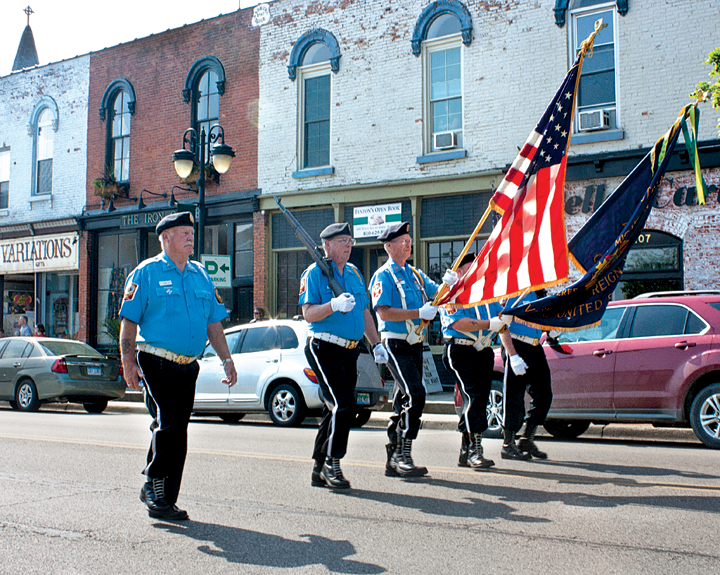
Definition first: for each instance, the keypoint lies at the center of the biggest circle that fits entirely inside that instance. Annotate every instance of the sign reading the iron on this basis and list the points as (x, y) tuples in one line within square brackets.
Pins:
[(39, 254)]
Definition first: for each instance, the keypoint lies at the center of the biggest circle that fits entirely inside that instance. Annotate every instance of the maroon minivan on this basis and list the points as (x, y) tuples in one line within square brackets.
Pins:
[(653, 359)]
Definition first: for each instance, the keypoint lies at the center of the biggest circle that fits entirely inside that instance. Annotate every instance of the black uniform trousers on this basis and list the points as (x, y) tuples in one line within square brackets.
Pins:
[(537, 382), (336, 370), (474, 372), (169, 396), (405, 363)]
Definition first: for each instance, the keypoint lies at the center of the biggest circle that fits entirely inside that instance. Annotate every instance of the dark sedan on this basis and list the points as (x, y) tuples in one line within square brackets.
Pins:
[(34, 371)]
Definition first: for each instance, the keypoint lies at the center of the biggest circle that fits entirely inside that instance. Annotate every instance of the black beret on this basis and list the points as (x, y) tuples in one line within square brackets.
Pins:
[(394, 231), (467, 259), (174, 220), (341, 229)]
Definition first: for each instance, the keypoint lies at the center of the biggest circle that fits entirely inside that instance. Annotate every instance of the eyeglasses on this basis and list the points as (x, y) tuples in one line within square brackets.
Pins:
[(403, 242), (345, 241)]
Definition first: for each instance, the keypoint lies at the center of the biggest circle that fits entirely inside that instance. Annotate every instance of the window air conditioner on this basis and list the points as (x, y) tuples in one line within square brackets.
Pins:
[(595, 120), (445, 140)]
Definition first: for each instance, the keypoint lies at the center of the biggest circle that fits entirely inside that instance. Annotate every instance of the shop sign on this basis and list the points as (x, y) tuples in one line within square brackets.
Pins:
[(39, 254), (143, 219), (430, 378), (371, 221)]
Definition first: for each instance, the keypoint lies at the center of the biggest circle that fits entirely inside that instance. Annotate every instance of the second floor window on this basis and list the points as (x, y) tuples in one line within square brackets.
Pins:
[(315, 106), (207, 105), (120, 137), (4, 178), (44, 151)]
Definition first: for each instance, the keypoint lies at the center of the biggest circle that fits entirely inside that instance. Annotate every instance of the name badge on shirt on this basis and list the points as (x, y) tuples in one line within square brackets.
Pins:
[(165, 283)]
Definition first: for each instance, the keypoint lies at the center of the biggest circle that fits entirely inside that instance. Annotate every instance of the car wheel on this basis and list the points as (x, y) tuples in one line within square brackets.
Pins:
[(705, 416), (495, 411), (286, 406), (96, 406), (26, 396), (232, 417), (566, 429), (362, 416)]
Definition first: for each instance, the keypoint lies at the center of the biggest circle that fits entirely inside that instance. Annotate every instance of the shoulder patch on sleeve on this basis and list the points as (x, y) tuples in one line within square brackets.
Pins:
[(130, 292), (377, 290), (303, 284), (217, 296)]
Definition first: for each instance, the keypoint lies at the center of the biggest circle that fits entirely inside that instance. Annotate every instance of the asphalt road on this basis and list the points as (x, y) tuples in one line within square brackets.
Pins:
[(69, 486)]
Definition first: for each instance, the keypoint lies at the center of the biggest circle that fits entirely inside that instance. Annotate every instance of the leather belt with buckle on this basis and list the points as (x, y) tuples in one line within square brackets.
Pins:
[(165, 354), (341, 341), (461, 341), (526, 339)]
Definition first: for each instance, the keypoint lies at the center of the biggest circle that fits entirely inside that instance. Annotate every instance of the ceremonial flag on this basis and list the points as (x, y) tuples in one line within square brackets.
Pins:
[(527, 247), (600, 247)]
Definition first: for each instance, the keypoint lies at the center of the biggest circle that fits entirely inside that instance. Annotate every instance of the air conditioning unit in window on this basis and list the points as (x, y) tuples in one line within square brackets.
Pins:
[(595, 120), (445, 140)]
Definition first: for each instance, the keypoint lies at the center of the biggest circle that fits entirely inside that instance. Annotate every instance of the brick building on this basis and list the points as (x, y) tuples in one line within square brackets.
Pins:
[(43, 150), (416, 108), (143, 95)]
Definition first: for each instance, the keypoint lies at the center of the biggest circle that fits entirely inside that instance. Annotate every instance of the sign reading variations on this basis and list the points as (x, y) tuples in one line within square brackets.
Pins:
[(371, 221), (39, 254), (219, 268)]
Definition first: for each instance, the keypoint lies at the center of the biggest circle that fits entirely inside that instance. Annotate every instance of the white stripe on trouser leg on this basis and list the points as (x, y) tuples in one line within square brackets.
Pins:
[(463, 390), (406, 390), (146, 387), (505, 376), (335, 403)]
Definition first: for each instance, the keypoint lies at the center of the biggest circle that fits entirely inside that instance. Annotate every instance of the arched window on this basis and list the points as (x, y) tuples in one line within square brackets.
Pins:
[(118, 106), (204, 85), (315, 55), (44, 122), (440, 33)]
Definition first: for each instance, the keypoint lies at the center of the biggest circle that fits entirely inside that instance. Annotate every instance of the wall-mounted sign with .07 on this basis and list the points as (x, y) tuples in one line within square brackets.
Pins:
[(219, 268)]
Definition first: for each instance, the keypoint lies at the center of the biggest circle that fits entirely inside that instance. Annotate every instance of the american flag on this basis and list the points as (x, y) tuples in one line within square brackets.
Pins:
[(527, 247)]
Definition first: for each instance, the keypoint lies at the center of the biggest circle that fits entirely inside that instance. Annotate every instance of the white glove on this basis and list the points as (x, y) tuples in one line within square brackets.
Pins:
[(496, 324), (344, 302), (380, 353), (554, 334), (518, 365), (450, 278), (428, 311)]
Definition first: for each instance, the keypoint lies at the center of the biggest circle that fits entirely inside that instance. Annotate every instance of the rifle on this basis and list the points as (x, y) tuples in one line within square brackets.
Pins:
[(313, 249)]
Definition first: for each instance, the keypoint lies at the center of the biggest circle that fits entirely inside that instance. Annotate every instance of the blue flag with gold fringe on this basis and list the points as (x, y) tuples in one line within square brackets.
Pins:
[(600, 247)]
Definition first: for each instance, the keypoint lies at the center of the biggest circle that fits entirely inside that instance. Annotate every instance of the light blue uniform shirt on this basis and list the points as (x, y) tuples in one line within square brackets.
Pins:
[(449, 317), (385, 292), (315, 289), (515, 327), (173, 309)]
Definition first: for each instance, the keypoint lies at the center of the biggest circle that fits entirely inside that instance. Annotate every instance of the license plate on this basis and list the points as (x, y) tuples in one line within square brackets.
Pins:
[(94, 370), (363, 399)]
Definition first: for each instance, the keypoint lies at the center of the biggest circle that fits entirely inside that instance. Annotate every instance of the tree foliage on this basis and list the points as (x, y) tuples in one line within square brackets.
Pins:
[(711, 90)]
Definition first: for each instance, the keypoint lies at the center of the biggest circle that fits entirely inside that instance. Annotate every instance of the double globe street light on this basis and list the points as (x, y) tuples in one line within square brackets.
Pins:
[(187, 158)]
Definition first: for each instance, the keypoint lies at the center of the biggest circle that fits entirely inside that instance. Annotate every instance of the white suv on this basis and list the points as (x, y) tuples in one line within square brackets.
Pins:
[(274, 376)]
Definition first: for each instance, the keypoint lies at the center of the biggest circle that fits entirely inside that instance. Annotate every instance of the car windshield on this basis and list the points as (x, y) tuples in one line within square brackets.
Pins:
[(69, 348), (607, 329)]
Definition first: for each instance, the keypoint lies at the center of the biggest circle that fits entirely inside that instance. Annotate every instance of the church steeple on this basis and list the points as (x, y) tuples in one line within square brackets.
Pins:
[(26, 56)]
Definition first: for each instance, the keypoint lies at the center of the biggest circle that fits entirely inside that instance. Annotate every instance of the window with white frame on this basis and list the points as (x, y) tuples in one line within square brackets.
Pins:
[(120, 137), (4, 178), (44, 152), (315, 85), (443, 84), (597, 94)]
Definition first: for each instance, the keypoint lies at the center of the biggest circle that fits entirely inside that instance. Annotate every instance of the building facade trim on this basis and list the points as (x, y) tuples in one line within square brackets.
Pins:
[(431, 12), (308, 39), (119, 85), (197, 69)]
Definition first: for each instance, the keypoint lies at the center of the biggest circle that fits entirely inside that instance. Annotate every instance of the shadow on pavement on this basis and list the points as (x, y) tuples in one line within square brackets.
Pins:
[(246, 547)]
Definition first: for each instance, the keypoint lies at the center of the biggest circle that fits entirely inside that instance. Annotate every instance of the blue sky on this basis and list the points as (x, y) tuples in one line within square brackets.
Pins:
[(67, 28)]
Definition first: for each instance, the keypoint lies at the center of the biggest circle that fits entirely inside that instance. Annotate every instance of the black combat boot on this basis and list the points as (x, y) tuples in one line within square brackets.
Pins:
[(527, 445), (475, 454), (152, 495), (463, 459), (332, 475), (390, 448), (509, 450), (402, 462), (315, 479)]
